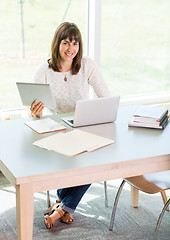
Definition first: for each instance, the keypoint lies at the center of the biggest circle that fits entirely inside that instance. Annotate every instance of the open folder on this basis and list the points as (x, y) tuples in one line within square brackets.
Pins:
[(73, 143)]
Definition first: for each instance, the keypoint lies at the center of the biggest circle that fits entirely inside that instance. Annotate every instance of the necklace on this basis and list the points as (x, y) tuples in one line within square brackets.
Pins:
[(65, 78), (65, 71), (66, 74)]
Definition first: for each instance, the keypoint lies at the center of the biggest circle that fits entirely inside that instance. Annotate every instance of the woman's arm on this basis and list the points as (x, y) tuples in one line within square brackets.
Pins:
[(39, 76), (96, 80)]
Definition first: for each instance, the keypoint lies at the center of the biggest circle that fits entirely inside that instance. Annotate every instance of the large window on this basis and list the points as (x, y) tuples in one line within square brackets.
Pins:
[(135, 42), (40, 19), (135, 46)]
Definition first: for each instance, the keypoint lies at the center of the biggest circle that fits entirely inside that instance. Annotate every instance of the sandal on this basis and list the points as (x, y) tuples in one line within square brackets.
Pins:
[(49, 210), (67, 218), (47, 219), (47, 222)]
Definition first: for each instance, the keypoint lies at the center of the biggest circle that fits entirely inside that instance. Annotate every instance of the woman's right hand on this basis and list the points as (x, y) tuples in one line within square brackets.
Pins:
[(36, 109)]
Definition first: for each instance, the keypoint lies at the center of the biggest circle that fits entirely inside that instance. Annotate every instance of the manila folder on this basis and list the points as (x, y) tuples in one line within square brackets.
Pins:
[(73, 142)]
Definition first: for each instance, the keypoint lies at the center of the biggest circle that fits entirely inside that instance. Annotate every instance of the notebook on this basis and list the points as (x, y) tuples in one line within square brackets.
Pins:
[(150, 114), (94, 111), (45, 125), (31, 91)]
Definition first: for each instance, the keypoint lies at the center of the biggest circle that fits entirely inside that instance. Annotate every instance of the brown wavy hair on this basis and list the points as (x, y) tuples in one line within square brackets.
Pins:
[(64, 31)]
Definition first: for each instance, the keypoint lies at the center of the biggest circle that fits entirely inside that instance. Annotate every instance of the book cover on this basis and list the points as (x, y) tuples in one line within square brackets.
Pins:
[(150, 114)]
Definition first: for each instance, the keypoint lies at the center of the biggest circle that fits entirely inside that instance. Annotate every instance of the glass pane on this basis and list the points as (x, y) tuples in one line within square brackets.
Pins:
[(136, 45), (40, 20)]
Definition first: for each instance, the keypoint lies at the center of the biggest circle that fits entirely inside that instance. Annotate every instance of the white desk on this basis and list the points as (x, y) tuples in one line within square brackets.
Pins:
[(31, 169)]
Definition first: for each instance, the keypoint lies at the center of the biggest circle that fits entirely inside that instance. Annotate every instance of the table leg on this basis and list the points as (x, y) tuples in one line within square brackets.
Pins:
[(24, 212)]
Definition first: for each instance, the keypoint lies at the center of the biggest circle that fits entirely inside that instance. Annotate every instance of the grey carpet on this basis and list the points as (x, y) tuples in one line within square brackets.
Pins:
[(91, 219)]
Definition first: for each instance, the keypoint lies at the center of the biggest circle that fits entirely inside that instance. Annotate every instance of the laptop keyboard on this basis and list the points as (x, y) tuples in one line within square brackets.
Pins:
[(71, 121)]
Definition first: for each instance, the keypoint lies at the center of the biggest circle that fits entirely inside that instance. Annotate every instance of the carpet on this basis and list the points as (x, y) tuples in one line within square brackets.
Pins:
[(92, 218)]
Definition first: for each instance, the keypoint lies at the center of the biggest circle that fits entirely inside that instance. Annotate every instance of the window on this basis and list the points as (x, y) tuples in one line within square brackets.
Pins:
[(134, 43), (135, 46), (40, 20)]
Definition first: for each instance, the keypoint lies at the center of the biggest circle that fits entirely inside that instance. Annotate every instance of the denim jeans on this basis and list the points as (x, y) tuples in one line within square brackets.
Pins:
[(70, 197)]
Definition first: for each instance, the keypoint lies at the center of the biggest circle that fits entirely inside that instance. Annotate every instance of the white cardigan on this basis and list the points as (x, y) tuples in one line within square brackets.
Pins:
[(66, 93)]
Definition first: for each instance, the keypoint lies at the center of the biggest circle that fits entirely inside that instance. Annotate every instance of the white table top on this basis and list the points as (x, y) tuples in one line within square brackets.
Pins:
[(22, 158)]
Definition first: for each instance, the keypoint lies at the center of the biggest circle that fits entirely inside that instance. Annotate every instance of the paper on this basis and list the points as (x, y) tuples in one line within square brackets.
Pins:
[(45, 125), (73, 142), (148, 125)]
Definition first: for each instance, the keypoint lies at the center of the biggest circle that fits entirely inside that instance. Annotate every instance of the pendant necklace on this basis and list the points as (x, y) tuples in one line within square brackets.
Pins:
[(66, 74), (65, 78)]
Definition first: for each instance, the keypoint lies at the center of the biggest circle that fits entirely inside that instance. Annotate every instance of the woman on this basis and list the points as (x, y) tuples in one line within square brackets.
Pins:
[(69, 75)]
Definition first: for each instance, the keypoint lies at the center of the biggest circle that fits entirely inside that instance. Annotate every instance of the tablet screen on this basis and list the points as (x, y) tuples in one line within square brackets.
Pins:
[(31, 91)]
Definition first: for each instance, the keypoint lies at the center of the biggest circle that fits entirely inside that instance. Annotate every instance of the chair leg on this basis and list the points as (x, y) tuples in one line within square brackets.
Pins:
[(160, 219), (48, 199), (115, 205), (105, 193), (164, 197), (134, 197)]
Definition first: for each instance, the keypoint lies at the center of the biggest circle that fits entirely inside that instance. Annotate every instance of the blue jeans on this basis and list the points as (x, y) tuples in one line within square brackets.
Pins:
[(70, 197)]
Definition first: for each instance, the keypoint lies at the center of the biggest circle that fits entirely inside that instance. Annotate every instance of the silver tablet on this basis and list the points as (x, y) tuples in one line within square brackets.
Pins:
[(31, 91)]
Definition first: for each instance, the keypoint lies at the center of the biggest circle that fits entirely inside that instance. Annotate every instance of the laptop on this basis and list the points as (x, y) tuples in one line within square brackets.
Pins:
[(40, 91), (94, 111)]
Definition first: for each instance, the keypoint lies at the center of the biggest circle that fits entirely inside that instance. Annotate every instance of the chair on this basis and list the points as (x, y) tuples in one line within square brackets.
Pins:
[(149, 183), (105, 192)]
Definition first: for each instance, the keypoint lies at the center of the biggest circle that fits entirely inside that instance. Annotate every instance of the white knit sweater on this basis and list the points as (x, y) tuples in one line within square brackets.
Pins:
[(66, 93)]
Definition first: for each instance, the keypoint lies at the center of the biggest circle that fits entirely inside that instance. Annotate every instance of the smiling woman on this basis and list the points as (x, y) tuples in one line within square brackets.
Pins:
[(67, 58), (66, 49), (68, 63)]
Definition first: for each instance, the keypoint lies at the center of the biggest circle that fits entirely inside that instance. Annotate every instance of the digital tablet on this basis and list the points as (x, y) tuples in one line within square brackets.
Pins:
[(31, 91)]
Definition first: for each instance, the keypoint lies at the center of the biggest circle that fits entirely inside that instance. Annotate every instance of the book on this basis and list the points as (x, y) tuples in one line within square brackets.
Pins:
[(45, 125), (150, 114), (163, 124), (73, 142)]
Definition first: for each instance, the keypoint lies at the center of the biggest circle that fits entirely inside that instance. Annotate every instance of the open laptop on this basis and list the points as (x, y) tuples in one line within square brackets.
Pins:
[(94, 111)]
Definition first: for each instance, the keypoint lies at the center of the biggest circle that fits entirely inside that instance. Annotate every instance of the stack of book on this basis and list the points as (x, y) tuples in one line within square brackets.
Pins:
[(150, 117)]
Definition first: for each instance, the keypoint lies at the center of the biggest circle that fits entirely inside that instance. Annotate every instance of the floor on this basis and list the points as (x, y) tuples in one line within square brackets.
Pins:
[(91, 219)]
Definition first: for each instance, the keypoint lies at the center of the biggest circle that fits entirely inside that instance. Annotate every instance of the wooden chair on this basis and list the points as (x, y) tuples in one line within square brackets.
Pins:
[(105, 193), (149, 183)]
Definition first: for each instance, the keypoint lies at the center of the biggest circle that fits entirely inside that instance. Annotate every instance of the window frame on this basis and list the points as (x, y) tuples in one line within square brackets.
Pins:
[(94, 51)]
